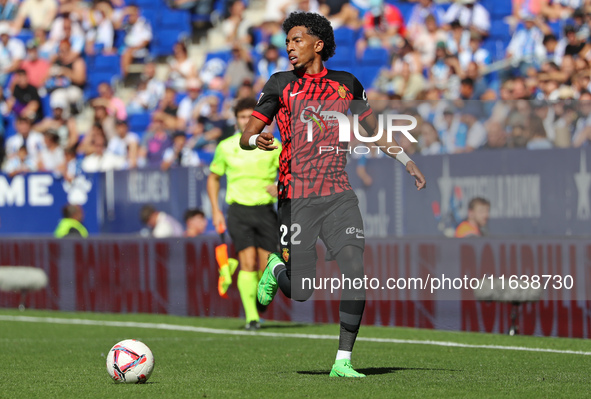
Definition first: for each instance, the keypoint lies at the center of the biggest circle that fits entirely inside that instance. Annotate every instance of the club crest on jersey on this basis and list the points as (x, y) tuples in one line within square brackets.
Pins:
[(285, 254), (342, 91)]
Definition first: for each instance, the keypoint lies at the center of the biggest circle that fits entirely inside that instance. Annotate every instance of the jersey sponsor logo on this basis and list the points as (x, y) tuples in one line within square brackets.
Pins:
[(342, 91)]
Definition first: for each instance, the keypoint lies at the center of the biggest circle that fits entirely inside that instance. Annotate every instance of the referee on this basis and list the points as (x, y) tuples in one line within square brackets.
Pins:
[(251, 193)]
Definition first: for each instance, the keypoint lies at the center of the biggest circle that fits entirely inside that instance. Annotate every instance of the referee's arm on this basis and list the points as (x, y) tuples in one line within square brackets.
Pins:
[(213, 191), (253, 136)]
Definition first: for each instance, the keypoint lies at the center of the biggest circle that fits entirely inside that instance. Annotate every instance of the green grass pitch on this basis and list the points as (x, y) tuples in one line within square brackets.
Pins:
[(53, 360)]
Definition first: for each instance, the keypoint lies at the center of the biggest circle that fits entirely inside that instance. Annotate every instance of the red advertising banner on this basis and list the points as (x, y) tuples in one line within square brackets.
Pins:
[(135, 275)]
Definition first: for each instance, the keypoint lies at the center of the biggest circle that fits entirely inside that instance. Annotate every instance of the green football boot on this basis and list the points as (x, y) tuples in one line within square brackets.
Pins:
[(268, 283), (343, 368)]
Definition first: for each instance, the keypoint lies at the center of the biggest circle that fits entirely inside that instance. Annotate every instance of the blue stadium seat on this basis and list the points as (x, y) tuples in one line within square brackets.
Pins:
[(344, 37), (224, 55), (106, 63), (500, 30), (376, 57), (366, 74), (9, 122), (46, 106), (164, 41), (25, 35), (138, 123), (180, 20), (498, 8), (94, 79)]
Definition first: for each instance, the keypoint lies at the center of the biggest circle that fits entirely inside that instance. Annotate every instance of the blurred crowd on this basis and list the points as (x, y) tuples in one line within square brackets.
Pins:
[(475, 77)]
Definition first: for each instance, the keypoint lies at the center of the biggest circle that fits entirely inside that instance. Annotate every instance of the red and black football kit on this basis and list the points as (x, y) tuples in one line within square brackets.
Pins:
[(315, 197)]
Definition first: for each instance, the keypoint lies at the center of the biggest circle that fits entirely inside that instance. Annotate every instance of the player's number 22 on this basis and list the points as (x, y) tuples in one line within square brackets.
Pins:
[(296, 229)]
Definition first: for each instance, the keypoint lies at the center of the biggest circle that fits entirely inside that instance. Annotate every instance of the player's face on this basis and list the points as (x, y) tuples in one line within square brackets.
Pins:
[(242, 119), (301, 47)]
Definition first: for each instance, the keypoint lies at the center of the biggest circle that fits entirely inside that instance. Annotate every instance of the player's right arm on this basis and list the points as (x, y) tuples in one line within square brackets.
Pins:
[(263, 141), (263, 114)]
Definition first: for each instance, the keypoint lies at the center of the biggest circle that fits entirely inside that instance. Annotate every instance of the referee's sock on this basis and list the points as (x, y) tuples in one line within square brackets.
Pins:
[(247, 285)]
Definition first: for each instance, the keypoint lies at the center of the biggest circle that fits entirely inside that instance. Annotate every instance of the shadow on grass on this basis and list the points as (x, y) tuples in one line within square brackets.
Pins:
[(266, 326), (376, 370)]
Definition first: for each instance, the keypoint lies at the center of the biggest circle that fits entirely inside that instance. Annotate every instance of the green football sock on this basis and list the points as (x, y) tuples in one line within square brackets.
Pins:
[(247, 285)]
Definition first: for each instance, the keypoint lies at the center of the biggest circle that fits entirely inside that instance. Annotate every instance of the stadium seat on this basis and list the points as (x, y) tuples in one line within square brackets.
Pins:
[(46, 106), (94, 79), (106, 63), (163, 43), (224, 55), (138, 123), (375, 57), (25, 35), (179, 20), (500, 30), (367, 74), (344, 37)]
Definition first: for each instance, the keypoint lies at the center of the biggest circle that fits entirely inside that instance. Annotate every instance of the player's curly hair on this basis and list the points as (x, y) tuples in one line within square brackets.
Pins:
[(317, 25)]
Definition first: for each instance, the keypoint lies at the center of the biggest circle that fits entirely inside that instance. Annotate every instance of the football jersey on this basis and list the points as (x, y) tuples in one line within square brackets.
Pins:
[(297, 101)]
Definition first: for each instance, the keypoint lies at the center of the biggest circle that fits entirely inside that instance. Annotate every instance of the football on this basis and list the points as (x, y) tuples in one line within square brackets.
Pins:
[(130, 362)]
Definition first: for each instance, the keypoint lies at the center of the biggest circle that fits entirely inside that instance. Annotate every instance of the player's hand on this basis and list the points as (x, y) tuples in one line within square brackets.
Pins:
[(219, 221), (265, 141), (272, 189), (414, 171)]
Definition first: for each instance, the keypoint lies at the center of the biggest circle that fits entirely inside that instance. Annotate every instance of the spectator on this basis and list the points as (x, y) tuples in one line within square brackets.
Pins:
[(65, 28), (67, 78), (37, 68), (419, 14), (125, 144), (240, 68), (210, 124), (382, 28), (25, 136), (71, 223), (188, 104), (100, 32), (476, 133), (179, 154), (8, 10), (550, 46), (47, 49), (52, 156), (98, 158), (427, 38), (138, 35), (471, 15), (195, 222), (161, 224), (474, 53), (107, 122), (154, 143), (167, 109), (149, 92), (476, 223), (429, 140), (235, 28), (496, 137), (115, 106), (61, 123), (25, 100), (271, 63), (181, 68), (72, 167), (40, 14), (21, 163), (12, 52), (538, 139), (526, 46)]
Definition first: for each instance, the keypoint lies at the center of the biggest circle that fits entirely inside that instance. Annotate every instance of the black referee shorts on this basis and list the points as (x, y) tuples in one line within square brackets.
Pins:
[(253, 226), (335, 219)]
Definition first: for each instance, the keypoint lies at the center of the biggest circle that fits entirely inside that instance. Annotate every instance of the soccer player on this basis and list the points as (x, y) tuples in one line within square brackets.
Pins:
[(315, 197), (251, 193)]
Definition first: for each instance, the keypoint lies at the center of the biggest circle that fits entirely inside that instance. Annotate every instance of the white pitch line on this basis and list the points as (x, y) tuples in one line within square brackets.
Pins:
[(205, 330)]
